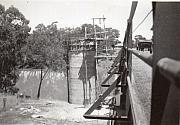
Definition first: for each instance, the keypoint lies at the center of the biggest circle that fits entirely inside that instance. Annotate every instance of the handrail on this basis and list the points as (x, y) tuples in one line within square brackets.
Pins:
[(170, 69), (143, 57), (133, 8), (123, 120)]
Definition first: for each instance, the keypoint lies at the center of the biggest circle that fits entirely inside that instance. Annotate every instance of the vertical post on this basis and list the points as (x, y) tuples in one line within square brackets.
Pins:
[(89, 100), (86, 75), (95, 42), (85, 35), (129, 65), (128, 44), (129, 61), (67, 69), (105, 34), (84, 82), (96, 47)]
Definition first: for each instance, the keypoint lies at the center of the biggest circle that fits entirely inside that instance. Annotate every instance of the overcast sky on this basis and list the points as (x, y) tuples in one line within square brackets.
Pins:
[(72, 13)]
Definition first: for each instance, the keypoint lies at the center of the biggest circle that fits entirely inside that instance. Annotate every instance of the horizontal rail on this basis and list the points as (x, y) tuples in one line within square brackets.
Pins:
[(79, 50), (106, 49), (143, 57), (170, 69), (82, 45), (97, 33), (104, 56), (106, 85), (104, 117), (115, 72)]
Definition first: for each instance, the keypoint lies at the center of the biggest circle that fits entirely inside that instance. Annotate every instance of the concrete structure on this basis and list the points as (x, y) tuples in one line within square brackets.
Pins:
[(82, 77)]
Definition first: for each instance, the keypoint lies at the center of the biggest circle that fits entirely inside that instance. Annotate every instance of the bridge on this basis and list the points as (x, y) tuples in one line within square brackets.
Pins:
[(161, 92)]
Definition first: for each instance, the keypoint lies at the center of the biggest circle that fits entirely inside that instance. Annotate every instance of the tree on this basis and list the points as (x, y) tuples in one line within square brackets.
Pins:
[(44, 51), (79, 32), (14, 31)]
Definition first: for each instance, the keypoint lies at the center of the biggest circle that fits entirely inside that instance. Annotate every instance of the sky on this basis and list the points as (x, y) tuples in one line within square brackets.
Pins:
[(73, 13)]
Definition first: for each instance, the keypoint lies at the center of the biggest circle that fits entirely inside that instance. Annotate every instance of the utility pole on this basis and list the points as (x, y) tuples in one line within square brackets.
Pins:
[(105, 33), (96, 47), (95, 40), (95, 37)]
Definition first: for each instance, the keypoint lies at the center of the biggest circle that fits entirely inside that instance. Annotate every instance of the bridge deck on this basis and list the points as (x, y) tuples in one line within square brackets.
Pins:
[(140, 89)]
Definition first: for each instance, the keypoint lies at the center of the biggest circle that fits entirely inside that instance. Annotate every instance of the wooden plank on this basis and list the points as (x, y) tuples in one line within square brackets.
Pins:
[(115, 72), (106, 85), (104, 117), (133, 9), (115, 64), (104, 56), (147, 59), (110, 75)]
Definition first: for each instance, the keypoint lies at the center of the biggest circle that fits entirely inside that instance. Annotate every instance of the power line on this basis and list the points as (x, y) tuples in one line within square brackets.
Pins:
[(142, 21)]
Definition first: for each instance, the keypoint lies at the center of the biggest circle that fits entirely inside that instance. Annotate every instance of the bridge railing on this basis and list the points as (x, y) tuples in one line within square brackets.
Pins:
[(165, 100)]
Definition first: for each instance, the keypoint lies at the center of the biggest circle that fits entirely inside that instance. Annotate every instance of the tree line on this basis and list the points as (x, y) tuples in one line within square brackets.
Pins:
[(42, 49)]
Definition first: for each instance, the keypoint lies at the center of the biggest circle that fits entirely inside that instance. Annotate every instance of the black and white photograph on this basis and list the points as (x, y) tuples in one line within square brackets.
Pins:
[(89, 62)]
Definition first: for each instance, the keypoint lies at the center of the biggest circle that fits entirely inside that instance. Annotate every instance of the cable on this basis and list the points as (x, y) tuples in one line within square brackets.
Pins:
[(142, 21)]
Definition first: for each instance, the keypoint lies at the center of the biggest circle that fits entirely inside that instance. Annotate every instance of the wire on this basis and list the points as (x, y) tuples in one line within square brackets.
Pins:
[(142, 21)]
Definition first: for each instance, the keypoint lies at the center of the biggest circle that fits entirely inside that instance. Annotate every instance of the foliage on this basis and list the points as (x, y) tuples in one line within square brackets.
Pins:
[(14, 30), (79, 33), (44, 48)]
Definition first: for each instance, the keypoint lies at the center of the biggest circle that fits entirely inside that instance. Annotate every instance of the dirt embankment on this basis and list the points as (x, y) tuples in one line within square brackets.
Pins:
[(47, 112)]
